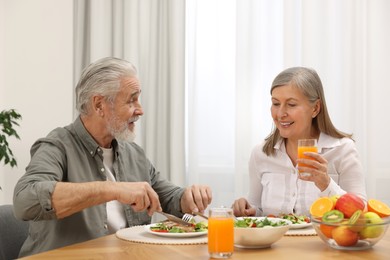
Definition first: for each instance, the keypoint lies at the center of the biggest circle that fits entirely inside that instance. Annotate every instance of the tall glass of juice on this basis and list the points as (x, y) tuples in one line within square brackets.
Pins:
[(306, 145), (221, 232)]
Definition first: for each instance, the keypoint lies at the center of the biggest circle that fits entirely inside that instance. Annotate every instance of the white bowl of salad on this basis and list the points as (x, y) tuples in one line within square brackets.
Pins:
[(259, 232)]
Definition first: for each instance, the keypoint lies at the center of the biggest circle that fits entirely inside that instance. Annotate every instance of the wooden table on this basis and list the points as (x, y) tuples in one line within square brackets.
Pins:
[(289, 247)]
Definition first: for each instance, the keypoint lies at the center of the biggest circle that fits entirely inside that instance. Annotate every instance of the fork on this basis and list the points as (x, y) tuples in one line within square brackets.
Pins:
[(175, 219), (188, 217)]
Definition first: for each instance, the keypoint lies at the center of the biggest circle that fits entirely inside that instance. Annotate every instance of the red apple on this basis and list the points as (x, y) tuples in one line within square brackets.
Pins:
[(349, 203), (344, 236)]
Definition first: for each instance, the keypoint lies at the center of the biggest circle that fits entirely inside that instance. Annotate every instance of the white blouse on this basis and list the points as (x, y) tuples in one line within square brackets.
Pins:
[(276, 189)]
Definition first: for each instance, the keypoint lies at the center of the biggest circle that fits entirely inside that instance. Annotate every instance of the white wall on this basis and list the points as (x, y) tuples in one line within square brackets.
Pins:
[(36, 74)]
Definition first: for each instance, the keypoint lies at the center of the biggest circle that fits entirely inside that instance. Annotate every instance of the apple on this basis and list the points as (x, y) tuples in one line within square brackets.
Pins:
[(344, 236), (374, 230), (349, 203)]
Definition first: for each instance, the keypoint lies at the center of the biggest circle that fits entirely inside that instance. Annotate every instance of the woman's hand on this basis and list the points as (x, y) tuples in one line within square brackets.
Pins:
[(318, 170), (241, 208)]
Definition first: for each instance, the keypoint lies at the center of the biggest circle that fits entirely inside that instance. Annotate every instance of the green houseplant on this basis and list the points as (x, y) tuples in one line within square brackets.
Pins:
[(8, 119)]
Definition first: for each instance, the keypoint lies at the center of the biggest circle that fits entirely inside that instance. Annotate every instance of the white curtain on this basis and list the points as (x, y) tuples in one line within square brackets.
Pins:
[(233, 51), (150, 34), (236, 48)]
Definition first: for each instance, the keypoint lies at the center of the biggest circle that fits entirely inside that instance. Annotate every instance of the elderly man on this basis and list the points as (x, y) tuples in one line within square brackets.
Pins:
[(89, 179)]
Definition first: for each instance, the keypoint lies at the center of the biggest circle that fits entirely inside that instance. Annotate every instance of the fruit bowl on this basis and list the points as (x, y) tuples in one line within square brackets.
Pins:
[(259, 236), (346, 236)]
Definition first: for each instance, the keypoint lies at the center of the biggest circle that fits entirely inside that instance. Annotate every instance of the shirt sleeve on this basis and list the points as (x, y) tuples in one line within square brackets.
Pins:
[(169, 194), (350, 172), (332, 189), (32, 193)]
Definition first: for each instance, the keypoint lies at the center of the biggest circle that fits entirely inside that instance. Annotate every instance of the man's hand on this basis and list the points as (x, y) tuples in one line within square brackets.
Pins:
[(195, 198), (241, 208), (140, 195)]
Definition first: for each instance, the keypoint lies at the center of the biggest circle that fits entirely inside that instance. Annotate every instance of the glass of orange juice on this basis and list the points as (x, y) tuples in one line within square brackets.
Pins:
[(306, 145), (221, 232)]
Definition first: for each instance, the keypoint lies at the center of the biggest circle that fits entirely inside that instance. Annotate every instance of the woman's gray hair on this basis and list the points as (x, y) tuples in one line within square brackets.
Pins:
[(103, 78), (309, 83), (305, 79)]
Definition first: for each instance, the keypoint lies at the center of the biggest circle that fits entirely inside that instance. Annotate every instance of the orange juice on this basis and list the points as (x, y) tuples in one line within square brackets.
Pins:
[(220, 235), (302, 149)]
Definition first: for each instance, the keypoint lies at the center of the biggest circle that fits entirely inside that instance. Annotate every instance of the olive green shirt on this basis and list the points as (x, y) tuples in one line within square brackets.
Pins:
[(70, 154)]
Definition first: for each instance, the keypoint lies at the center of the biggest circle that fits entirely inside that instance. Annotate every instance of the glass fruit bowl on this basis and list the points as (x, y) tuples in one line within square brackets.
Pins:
[(360, 235)]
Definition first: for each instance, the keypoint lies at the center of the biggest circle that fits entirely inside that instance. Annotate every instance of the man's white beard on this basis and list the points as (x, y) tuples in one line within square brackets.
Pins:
[(126, 135), (122, 133)]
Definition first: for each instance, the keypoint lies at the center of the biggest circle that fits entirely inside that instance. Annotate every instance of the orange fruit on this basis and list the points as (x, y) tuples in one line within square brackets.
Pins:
[(379, 207), (327, 230), (320, 206)]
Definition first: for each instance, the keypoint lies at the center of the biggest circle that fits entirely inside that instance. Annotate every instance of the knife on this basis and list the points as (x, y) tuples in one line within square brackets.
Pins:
[(175, 219)]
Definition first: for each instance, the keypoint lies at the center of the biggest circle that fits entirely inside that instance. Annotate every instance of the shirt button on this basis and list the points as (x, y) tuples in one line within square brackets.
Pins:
[(102, 169), (105, 226), (91, 152)]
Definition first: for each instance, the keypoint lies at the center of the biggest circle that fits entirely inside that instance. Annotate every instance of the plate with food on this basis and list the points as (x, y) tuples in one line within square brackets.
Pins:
[(172, 229), (298, 221), (301, 225)]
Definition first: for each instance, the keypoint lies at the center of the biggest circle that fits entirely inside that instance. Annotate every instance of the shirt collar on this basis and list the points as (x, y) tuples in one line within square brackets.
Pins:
[(85, 137), (324, 141), (327, 141), (88, 141)]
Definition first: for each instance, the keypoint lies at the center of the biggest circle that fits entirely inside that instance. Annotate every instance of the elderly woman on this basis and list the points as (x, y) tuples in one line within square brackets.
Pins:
[(299, 112)]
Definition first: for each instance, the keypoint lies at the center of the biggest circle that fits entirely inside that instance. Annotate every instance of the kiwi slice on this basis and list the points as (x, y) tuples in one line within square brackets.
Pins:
[(333, 216), (356, 221)]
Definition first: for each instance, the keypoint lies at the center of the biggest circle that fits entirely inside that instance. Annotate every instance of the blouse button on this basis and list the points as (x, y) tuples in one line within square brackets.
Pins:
[(105, 226), (102, 169)]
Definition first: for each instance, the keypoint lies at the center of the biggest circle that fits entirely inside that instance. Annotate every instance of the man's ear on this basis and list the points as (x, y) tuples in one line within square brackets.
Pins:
[(97, 104)]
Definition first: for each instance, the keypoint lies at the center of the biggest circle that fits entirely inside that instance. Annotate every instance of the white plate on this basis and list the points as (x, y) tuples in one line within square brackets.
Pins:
[(299, 226), (179, 235)]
